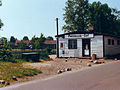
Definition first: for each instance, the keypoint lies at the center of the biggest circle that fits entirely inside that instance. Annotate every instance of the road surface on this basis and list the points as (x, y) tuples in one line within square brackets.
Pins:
[(102, 77)]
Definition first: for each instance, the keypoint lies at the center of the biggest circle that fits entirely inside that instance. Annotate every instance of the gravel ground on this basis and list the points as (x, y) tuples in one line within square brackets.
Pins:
[(50, 68)]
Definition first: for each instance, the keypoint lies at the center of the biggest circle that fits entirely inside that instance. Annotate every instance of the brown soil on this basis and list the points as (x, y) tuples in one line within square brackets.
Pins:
[(50, 68)]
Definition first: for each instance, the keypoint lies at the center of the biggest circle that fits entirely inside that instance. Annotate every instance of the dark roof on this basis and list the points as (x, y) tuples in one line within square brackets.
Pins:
[(90, 32), (76, 32)]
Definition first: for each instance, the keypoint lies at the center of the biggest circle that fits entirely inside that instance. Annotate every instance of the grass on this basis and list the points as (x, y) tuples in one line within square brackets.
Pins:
[(8, 70)]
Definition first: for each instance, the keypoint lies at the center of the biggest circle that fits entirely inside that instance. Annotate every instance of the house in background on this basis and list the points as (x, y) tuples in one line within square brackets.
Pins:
[(85, 44), (27, 42), (50, 44)]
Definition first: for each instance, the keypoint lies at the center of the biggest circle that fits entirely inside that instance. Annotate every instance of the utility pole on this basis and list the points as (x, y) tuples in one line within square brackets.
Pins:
[(57, 44)]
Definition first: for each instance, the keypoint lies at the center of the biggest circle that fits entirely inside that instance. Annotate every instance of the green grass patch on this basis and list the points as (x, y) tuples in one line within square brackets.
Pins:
[(8, 70)]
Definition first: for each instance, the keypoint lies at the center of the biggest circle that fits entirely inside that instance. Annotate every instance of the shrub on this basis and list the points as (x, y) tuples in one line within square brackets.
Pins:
[(5, 53), (53, 51), (45, 56)]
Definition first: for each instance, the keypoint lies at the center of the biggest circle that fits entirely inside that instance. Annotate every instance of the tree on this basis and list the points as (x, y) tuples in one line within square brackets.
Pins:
[(103, 18), (38, 42), (1, 24), (12, 39), (25, 38), (49, 38), (22, 45), (3, 39), (76, 15), (0, 2), (5, 53)]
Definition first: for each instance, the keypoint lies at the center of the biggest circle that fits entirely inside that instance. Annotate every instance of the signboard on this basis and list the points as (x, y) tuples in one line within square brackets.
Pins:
[(86, 52), (79, 36)]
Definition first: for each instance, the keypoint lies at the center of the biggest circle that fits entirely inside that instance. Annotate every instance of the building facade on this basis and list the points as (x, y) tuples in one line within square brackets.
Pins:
[(85, 44)]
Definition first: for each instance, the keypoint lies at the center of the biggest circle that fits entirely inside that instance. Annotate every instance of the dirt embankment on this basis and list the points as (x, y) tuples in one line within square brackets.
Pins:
[(50, 68)]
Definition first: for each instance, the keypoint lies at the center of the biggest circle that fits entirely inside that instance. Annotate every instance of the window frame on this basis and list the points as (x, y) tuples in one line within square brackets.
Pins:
[(72, 44)]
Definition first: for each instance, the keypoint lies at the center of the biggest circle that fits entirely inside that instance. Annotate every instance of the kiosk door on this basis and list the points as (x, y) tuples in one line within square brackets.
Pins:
[(86, 47)]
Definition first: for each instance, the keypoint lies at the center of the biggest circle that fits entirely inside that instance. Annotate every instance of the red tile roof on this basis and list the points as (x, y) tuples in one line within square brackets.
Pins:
[(25, 41), (50, 42)]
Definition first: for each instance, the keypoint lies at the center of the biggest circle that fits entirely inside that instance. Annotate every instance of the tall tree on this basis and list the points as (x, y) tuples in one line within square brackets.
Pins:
[(12, 39), (41, 41), (34, 38), (5, 53), (25, 38), (38, 42), (103, 18), (49, 38), (76, 15), (3, 39), (1, 24)]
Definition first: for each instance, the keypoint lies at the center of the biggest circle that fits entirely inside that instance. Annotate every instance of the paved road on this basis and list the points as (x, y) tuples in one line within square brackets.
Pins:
[(103, 77)]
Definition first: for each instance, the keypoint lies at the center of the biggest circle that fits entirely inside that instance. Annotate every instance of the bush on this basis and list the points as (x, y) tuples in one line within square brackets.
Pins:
[(45, 56), (5, 53), (53, 51)]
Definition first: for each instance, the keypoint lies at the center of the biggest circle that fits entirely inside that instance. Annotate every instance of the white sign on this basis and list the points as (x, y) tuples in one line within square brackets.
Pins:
[(86, 52), (79, 36)]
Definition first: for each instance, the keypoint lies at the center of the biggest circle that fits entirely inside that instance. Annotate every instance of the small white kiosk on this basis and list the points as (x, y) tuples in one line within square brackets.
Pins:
[(85, 44)]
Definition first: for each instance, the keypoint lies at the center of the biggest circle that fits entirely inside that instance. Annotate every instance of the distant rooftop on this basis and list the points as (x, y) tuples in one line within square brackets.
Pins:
[(50, 42)]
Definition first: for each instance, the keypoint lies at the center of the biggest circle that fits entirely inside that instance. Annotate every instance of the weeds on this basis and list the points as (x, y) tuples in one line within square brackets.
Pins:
[(8, 70)]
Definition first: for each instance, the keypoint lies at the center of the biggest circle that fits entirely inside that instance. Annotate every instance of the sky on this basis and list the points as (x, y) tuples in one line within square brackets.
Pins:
[(33, 17)]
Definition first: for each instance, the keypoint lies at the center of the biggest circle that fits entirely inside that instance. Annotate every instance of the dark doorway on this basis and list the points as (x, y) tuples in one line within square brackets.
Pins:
[(86, 47)]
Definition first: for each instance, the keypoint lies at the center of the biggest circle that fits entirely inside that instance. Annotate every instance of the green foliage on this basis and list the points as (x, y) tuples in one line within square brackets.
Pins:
[(0, 2), (44, 55), (8, 70), (1, 24), (13, 60), (3, 39), (38, 42), (5, 53), (25, 38), (79, 14), (22, 45), (17, 55), (53, 51), (103, 18), (49, 38), (76, 15), (48, 50), (12, 39)]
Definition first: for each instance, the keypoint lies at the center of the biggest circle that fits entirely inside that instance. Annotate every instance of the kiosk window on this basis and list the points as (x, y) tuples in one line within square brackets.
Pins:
[(72, 44)]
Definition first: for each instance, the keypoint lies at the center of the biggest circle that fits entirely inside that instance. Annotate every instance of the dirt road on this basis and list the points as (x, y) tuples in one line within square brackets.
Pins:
[(102, 77)]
